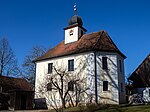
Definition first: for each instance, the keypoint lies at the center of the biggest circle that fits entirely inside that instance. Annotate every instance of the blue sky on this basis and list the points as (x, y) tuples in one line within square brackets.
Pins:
[(27, 23)]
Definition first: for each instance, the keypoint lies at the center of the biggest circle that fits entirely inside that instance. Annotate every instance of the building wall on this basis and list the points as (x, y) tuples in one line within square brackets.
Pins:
[(90, 78), (121, 79), (145, 93), (12, 101), (76, 34), (85, 69), (111, 75), (26, 102), (73, 37), (17, 103), (80, 71)]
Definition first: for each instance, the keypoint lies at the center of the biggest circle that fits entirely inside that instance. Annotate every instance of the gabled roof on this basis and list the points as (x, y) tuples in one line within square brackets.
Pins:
[(10, 83), (141, 76), (97, 41)]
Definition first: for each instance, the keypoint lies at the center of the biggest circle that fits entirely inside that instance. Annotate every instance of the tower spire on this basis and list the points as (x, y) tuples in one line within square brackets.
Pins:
[(75, 9)]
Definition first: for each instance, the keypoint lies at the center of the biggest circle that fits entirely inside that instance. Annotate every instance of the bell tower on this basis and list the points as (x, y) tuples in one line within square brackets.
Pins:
[(74, 30)]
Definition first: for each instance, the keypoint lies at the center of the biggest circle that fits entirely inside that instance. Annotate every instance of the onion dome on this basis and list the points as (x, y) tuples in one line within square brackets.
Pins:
[(75, 20)]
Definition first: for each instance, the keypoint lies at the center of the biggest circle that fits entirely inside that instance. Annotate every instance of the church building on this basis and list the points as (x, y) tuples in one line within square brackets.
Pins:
[(92, 64)]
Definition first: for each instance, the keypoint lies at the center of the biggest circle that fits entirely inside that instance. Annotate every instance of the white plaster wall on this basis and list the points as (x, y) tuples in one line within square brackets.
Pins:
[(121, 79), (146, 94), (90, 78), (111, 75), (76, 34), (80, 71), (72, 38), (79, 32), (88, 73)]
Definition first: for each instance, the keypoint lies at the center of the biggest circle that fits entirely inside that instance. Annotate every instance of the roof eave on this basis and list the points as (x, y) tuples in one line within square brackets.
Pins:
[(71, 26), (77, 53), (138, 67)]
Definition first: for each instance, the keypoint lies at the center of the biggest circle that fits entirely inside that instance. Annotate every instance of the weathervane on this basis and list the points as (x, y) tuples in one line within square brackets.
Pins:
[(75, 9)]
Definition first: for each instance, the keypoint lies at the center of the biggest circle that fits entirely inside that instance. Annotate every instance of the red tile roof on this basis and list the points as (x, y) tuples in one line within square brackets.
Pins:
[(10, 83), (99, 41)]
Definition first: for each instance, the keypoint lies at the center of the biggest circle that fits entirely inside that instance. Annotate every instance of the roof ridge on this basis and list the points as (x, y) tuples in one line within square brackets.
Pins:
[(112, 40), (94, 32), (98, 39), (143, 61), (115, 45), (91, 40)]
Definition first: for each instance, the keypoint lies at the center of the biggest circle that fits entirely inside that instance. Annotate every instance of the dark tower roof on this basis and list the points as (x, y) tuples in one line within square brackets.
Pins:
[(75, 20)]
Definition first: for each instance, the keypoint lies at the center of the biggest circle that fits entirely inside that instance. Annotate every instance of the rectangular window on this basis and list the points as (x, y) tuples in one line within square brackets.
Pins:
[(104, 63), (50, 67), (81, 32), (121, 87), (71, 86), (105, 85), (71, 65), (1, 89), (120, 65), (49, 87)]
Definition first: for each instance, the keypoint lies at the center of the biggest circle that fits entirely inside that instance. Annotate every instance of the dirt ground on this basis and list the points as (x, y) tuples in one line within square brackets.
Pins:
[(24, 111)]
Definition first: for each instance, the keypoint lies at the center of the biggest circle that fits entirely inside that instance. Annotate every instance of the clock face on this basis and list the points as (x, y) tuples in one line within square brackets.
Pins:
[(71, 32)]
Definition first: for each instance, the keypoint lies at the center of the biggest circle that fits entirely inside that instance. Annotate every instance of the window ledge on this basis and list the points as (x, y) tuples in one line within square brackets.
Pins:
[(106, 91)]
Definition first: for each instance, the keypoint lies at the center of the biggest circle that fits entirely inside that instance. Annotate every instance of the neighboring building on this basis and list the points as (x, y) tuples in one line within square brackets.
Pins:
[(141, 76), (103, 70), (18, 92), (140, 79)]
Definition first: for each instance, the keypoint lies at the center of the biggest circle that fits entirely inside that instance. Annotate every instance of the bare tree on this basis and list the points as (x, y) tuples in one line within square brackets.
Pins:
[(8, 61), (60, 94), (59, 81), (29, 66)]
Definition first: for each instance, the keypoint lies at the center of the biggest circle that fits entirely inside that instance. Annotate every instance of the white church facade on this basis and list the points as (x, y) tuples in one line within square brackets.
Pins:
[(92, 61)]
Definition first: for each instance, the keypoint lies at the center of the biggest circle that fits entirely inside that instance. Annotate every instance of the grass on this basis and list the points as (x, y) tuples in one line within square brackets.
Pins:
[(128, 108), (71, 109), (110, 108)]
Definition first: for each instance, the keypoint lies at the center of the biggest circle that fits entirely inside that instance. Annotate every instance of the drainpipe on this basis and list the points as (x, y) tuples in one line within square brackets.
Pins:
[(95, 65), (34, 86)]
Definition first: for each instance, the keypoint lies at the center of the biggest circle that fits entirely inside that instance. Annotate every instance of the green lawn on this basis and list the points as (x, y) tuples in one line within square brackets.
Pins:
[(138, 108), (120, 108)]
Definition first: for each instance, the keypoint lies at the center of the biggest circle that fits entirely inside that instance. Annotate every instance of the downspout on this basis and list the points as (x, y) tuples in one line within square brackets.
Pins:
[(34, 75), (33, 106), (95, 65)]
